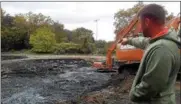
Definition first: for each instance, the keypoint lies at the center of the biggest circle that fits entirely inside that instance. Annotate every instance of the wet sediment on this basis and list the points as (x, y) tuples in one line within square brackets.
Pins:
[(49, 81), (62, 81)]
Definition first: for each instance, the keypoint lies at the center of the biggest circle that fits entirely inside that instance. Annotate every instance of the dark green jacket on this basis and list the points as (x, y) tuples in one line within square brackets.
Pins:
[(155, 80)]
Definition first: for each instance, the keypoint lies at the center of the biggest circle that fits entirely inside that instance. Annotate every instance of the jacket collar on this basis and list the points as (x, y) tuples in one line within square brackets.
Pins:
[(160, 35)]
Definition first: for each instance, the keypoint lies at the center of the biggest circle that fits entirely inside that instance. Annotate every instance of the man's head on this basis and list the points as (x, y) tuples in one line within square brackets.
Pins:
[(151, 16)]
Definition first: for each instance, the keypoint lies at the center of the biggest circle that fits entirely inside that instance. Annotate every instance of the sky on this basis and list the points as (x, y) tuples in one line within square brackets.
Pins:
[(82, 14)]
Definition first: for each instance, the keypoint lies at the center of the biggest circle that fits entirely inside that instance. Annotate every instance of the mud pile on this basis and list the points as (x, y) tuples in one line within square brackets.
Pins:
[(49, 81)]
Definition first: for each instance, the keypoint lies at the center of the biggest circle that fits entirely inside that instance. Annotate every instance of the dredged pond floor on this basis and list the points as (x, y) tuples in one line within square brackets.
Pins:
[(53, 81), (49, 81)]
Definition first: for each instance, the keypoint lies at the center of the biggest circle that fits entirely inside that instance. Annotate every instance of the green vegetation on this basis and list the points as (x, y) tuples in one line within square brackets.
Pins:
[(69, 48), (40, 34), (43, 40)]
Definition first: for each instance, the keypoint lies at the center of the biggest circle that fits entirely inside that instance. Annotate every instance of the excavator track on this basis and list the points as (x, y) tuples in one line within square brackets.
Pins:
[(129, 68)]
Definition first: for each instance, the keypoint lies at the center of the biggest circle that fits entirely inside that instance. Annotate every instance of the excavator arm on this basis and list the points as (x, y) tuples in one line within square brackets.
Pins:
[(121, 34)]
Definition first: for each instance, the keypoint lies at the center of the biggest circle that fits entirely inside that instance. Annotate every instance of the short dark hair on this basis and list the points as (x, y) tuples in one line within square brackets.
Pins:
[(154, 12)]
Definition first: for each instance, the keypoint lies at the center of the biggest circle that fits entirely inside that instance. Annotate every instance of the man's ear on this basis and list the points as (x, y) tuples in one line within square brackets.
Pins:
[(147, 21)]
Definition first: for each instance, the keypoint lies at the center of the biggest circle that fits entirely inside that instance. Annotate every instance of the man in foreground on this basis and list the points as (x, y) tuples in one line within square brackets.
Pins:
[(155, 80)]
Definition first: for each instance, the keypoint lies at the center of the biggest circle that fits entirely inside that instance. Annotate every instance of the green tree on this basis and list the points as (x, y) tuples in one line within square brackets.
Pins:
[(69, 35), (60, 34), (43, 40), (123, 17), (87, 47), (29, 22), (80, 34), (84, 37), (6, 22), (11, 36), (36, 20), (10, 40), (21, 24), (101, 46)]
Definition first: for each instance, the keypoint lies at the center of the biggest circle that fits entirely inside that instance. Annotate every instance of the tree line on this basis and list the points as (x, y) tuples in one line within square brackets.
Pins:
[(41, 34)]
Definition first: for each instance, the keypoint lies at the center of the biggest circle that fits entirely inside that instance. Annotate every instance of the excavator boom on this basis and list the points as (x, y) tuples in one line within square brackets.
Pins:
[(121, 34)]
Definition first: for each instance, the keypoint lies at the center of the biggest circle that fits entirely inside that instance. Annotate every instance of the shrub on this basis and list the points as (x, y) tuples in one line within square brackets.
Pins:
[(13, 39), (63, 48), (43, 40)]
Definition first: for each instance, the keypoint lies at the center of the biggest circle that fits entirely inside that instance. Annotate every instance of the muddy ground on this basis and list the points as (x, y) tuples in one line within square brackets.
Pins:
[(61, 81), (10, 57), (49, 81)]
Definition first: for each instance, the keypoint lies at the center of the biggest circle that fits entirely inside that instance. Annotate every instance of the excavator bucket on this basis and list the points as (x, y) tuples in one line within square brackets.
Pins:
[(101, 67)]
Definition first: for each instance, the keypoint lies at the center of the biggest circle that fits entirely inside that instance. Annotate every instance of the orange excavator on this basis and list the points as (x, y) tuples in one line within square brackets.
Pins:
[(132, 54)]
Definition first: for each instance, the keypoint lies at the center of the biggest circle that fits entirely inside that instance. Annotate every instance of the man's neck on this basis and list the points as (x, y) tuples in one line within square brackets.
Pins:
[(156, 30)]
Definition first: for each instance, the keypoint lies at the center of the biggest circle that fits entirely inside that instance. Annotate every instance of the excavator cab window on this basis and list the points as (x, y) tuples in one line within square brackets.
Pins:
[(126, 47)]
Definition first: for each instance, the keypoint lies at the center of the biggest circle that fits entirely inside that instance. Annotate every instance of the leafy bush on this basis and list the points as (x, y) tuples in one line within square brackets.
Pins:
[(63, 48), (87, 47), (12, 38), (43, 40), (101, 46)]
